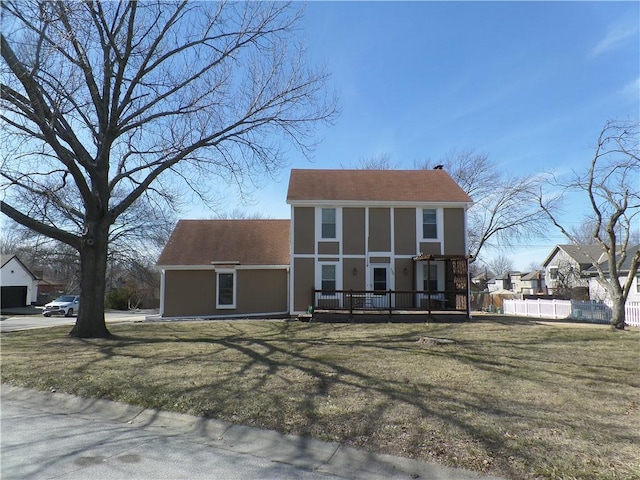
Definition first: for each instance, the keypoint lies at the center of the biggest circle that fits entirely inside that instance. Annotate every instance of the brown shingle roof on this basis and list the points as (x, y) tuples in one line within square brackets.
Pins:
[(250, 242), (375, 185)]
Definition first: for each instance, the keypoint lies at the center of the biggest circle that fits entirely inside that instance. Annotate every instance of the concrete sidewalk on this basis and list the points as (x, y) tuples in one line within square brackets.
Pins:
[(110, 440)]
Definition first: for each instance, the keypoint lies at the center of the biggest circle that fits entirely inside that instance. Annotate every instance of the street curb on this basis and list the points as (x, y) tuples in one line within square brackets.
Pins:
[(327, 457)]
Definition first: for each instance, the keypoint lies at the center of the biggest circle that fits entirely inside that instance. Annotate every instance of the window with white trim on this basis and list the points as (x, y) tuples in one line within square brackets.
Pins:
[(638, 283), (429, 223), (328, 279), (225, 289), (430, 277), (328, 223)]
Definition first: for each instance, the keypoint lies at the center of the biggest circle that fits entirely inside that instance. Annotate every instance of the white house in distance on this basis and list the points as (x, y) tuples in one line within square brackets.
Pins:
[(566, 266), (598, 292), (18, 284)]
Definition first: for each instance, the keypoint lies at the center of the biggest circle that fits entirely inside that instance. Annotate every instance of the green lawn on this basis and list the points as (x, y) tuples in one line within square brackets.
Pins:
[(509, 397)]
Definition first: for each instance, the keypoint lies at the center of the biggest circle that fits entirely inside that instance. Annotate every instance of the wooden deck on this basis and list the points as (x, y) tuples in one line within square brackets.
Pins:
[(384, 316)]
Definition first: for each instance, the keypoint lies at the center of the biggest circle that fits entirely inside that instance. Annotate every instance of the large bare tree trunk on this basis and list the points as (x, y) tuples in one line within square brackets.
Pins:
[(618, 313), (93, 265)]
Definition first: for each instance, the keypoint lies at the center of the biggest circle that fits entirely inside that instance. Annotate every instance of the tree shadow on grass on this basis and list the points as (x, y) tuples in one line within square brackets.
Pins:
[(351, 384)]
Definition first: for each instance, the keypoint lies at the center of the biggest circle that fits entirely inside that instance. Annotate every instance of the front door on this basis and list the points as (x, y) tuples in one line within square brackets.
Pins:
[(380, 283)]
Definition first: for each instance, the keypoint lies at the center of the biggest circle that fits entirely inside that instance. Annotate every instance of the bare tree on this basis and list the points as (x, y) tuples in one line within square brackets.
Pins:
[(240, 214), (106, 105), (505, 211), (583, 232), (376, 162), (500, 265), (611, 186)]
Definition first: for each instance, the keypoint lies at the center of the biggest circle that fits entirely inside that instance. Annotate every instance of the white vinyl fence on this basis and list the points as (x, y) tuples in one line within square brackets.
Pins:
[(591, 312)]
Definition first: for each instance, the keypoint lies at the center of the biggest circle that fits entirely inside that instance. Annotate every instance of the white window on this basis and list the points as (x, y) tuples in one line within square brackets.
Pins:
[(553, 273), (429, 223), (225, 289), (328, 280), (638, 283), (430, 277), (328, 223)]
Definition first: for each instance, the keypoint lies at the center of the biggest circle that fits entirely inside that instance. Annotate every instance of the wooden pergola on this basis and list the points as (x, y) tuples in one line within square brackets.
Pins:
[(456, 290)]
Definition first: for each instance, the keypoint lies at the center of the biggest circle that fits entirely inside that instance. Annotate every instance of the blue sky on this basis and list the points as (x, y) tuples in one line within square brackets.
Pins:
[(531, 84)]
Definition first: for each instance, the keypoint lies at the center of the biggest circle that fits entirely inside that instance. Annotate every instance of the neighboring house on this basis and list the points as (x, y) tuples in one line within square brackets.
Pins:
[(500, 282), (374, 230), (225, 268), (365, 230), (528, 283), (481, 282), (566, 267), (18, 283), (598, 292), (48, 289)]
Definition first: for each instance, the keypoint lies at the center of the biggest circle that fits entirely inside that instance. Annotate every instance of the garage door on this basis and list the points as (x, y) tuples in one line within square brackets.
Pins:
[(13, 297)]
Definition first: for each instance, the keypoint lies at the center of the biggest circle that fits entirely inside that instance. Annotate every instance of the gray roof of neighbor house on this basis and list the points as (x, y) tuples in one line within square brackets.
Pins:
[(415, 186), (533, 275), (624, 268), (247, 242), (582, 254)]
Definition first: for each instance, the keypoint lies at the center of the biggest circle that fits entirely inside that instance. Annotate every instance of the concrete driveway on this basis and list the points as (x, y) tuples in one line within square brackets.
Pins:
[(10, 323)]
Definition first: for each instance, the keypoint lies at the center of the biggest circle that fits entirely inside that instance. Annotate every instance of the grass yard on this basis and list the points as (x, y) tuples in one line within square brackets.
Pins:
[(508, 396)]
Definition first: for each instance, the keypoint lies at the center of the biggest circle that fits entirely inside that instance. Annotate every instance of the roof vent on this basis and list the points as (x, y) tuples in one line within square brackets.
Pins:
[(438, 167)]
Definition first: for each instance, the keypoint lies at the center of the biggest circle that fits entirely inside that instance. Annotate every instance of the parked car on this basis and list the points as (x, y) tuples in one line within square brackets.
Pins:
[(65, 305)]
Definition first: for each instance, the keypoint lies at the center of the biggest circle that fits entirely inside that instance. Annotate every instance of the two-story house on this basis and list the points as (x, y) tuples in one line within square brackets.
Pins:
[(528, 283), (566, 270), (366, 231), (373, 230)]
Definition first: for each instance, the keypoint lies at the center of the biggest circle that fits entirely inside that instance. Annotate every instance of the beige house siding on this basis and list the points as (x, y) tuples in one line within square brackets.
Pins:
[(328, 248), (454, 233), (379, 230), (430, 248), (304, 230), (261, 291), (404, 220), (349, 280), (379, 259), (191, 293), (303, 282), (404, 281), (353, 231)]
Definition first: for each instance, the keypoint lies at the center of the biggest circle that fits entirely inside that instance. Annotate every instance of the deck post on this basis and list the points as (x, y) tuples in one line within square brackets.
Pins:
[(390, 306), (351, 305)]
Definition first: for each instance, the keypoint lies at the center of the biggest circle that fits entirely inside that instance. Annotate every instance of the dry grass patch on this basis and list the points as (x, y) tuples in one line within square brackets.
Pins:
[(515, 399)]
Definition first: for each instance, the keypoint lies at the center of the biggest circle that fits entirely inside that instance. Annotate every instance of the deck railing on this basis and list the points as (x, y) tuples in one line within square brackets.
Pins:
[(391, 301)]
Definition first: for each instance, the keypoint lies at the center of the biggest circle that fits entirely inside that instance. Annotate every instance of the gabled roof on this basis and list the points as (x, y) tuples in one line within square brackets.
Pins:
[(624, 268), (246, 242), (582, 254), (4, 259), (532, 275), (415, 186)]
